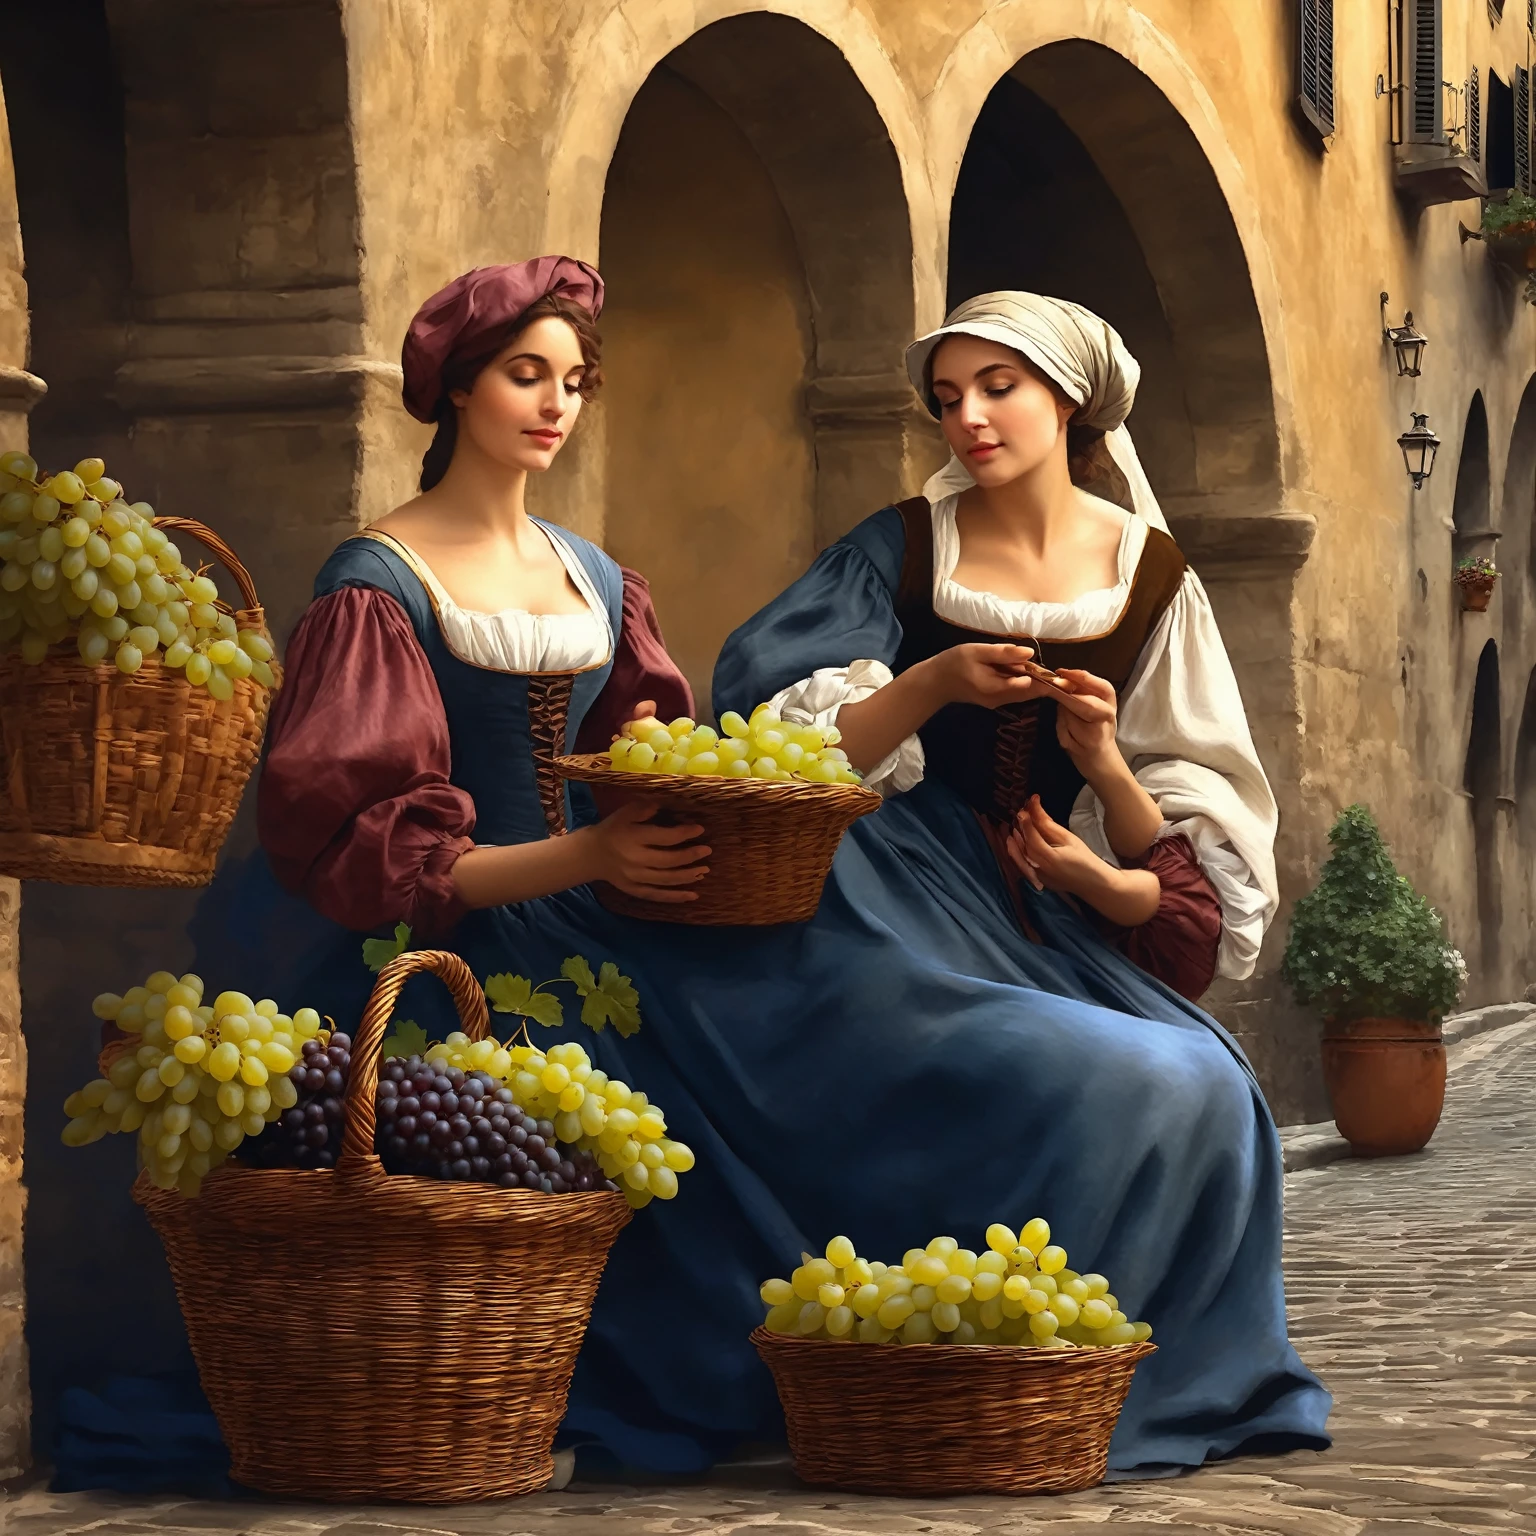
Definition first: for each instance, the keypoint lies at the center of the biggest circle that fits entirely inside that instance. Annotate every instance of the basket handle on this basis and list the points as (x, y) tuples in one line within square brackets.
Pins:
[(227, 557), (357, 1147)]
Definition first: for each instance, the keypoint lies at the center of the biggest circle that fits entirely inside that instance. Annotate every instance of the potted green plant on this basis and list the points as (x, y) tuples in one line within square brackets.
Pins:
[(1371, 956), (1477, 576), (1509, 231)]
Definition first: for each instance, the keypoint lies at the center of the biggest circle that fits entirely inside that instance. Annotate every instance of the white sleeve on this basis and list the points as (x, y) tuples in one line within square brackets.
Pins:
[(817, 700), (1184, 732)]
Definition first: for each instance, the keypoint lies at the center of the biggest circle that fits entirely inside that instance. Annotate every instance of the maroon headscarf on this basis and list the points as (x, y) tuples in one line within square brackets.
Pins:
[(462, 317)]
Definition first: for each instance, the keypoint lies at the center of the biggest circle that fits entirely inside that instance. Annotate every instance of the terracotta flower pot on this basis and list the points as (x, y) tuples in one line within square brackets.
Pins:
[(1386, 1082), (1476, 592)]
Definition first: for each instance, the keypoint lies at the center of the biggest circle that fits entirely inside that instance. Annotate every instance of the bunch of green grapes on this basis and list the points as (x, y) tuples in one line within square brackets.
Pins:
[(1017, 1291), (764, 747), (76, 559), (201, 1078), (618, 1125)]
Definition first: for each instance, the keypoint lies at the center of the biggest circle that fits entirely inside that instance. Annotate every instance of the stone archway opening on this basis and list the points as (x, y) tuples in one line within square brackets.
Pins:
[(1480, 779), (756, 244), (1473, 531), (1081, 179)]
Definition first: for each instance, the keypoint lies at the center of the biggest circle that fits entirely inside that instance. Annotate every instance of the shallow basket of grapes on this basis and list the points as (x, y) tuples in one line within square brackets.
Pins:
[(117, 778), (437, 1323), (1025, 1421), (772, 841)]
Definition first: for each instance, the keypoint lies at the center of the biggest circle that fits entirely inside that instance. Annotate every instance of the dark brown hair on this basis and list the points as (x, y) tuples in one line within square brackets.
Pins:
[(1089, 462), (462, 370)]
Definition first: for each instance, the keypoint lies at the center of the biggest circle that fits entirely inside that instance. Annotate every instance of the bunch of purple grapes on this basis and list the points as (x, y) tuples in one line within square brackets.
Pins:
[(442, 1123), (309, 1135)]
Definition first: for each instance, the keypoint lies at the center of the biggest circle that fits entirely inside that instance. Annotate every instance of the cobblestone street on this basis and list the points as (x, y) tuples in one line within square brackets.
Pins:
[(1412, 1287)]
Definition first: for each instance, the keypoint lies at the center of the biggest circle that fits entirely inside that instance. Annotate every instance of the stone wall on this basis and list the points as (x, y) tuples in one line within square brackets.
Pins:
[(18, 389)]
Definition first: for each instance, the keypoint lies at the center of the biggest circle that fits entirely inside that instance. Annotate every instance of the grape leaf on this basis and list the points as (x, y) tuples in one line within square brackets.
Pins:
[(408, 1039), (612, 1000), (377, 953), (578, 971), (507, 993)]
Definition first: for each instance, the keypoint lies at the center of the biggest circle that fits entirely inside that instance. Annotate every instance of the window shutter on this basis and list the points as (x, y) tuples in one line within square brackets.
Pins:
[(1475, 115), (1421, 60), (1523, 128), (1315, 62)]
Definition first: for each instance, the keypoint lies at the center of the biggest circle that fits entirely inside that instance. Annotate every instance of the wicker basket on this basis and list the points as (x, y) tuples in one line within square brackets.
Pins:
[(772, 841), (363, 1335), (945, 1419), (124, 780)]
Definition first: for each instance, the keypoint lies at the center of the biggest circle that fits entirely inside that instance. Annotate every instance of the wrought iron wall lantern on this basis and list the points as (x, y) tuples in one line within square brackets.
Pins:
[(1407, 342), (1419, 445)]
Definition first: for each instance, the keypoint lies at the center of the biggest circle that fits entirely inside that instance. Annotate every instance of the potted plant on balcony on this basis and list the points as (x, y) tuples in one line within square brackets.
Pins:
[(1477, 576), (1370, 955), (1509, 231)]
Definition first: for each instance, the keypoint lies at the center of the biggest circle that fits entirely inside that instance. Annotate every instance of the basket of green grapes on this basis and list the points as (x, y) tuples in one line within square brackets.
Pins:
[(1034, 1358), (774, 799), (133, 699)]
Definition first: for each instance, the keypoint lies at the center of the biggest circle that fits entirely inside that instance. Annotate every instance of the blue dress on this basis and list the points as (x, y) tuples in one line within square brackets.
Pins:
[(906, 1063)]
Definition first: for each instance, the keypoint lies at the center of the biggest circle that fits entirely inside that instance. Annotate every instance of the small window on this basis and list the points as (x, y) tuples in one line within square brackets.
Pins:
[(1501, 136), (1314, 63)]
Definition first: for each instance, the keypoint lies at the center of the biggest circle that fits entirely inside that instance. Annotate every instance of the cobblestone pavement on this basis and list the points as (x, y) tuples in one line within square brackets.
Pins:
[(1412, 1286)]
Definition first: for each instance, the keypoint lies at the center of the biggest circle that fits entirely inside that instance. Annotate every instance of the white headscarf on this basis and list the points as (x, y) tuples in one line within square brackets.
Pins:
[(1074, 348)]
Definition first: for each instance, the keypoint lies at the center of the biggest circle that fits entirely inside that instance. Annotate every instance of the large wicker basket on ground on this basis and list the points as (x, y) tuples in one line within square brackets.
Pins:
[(125, 780), (363, 1335), (771, 841), (944, 1419)]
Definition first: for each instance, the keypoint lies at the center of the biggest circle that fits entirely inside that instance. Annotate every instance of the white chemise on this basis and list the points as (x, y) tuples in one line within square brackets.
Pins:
[(1182, 727), (513, 640)]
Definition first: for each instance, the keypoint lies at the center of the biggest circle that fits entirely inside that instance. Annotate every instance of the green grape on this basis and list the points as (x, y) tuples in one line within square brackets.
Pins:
[(702, 765), (776, 1293), (85, 583), (784, 1318), (89, 470), (198, 668), (840, 1251), (129, 658), (733, 725), (255, 645)]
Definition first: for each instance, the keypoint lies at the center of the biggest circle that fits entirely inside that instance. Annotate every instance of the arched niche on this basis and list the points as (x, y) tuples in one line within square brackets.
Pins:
[(1481, 780), (1082, 179), (756, 244), (1518, 510), (1474, 532)]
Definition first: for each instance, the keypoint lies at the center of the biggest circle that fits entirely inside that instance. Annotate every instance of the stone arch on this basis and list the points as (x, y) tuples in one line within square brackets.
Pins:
[(1525, 766), (1481, 779), (1473, 530), (1517, 515), (757, 244), (613, 58), (1120, 86)]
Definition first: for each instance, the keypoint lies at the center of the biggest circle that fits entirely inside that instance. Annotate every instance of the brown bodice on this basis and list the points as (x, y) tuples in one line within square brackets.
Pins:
[(998, 758)]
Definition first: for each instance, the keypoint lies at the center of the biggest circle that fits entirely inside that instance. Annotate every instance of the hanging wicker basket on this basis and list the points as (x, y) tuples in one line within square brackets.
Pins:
[(862, 1416), (363, 1335), (771, 841), (114, 779)]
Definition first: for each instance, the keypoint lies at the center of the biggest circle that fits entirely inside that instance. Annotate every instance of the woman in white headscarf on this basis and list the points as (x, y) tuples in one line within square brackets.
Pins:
[(991, 1014)]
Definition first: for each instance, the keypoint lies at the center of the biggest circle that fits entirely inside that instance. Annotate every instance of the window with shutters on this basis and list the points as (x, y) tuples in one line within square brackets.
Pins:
[(1522, 128), (1474, 110), (1314, 63), (1436, 127), (1424, 109)]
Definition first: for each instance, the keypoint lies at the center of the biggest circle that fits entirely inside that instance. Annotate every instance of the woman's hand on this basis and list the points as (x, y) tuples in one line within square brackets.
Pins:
[(988, 675), (643, 859), (1052, 858), (1085, 722)]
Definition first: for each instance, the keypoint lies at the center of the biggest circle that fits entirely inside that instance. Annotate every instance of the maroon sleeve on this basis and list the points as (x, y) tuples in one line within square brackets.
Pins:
[(355, 809), (1179, 942), (641, 670)]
